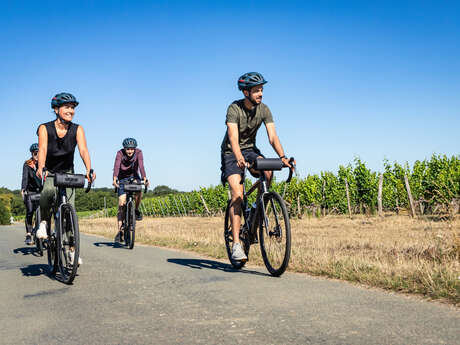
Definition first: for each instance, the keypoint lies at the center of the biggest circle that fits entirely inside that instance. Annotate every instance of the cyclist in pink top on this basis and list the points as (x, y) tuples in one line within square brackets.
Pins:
[(129, 163)]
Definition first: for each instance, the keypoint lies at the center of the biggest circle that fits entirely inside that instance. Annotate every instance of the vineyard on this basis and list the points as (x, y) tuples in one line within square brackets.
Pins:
[(433, 184)]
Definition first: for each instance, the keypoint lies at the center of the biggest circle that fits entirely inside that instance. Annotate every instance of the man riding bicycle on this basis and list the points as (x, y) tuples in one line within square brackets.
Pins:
[(57, 141), (129, 165), (31, 184), (238, 149)]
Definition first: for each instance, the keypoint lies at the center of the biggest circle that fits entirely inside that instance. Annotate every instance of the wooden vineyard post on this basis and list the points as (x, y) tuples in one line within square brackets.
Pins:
[(142, 206), (299, 211), (379, 196), (348, 198), (205, 206), (409, 194), (161, 208), (323, 206), (177, 207), (396, 200), (229, 195), (168, 213), (185, 211), (189, 204)]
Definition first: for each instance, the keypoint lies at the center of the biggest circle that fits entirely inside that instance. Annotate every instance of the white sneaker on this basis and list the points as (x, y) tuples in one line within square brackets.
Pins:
[(238, 253), (72, 256), (41, 232)]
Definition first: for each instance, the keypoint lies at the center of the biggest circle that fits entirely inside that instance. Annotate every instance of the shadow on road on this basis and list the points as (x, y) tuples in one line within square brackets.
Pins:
[(26, 250), (35, 270), (109, 244), (210, 264)]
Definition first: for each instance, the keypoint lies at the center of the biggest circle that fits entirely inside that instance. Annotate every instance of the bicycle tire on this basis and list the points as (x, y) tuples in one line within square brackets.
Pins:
[(50, 245), (38, 241), (68, 240), (228, 237), (275, 242), (132, 226)]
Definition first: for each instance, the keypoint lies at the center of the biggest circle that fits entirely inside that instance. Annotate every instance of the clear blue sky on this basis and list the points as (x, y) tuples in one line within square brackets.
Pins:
[(345, 78)]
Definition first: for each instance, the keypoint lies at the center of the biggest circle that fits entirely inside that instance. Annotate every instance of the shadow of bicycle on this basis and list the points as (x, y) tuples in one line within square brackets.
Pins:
[(35, 270), (109, 244), (26, 250), (213, 265)]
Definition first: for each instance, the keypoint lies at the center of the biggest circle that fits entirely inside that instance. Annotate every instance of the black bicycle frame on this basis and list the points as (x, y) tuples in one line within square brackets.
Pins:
[(262, 184)]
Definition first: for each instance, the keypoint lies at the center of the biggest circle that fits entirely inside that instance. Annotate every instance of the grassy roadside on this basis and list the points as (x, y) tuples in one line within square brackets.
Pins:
[(395, 252)]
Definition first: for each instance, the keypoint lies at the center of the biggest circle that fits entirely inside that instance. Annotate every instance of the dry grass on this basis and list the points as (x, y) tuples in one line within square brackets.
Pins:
[(395, 252)]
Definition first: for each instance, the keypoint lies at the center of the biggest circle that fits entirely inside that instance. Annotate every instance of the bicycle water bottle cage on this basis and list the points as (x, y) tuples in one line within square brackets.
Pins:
[(69, 180), (133, 187), (268, 164)]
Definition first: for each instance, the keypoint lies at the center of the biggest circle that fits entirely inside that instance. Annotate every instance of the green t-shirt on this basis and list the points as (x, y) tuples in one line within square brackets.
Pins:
[(248, 121)]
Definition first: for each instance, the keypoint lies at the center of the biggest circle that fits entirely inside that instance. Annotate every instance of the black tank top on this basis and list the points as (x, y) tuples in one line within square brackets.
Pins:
[(59, 157)]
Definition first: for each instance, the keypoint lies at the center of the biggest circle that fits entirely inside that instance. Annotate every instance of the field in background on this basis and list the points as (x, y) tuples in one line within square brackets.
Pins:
[(397, 253)]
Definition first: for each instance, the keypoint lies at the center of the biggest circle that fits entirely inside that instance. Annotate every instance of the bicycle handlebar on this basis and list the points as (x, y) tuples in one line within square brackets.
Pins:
[(46, 174), (90, 182), (291, 162), (141, 183)]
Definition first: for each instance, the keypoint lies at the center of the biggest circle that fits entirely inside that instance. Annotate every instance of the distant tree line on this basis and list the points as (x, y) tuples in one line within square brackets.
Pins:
[(11, 203)]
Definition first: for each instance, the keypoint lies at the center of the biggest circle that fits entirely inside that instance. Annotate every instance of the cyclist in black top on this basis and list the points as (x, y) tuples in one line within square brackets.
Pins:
[(30, 184), (57, 141)]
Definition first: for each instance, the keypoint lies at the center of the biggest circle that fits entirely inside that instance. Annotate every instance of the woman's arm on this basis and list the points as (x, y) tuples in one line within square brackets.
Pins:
[(25, 178), (42, 149), (116, 169)]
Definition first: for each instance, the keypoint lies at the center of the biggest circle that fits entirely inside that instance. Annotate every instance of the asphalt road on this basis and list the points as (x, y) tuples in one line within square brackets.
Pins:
[(156, 296)]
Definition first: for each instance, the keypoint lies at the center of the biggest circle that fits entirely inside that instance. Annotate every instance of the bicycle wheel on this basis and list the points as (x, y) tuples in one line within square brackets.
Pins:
[(51, 248), (38, 241), (68, 244), (131, 226), (228, 236), (275, 234)]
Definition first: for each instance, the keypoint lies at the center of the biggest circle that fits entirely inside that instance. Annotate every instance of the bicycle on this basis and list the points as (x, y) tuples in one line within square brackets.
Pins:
[(269, 214), (63, 243), (128, 225), (35, 199)]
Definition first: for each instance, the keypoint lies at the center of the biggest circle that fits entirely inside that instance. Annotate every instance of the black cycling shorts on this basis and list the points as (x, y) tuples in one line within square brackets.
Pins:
[(229, 164)]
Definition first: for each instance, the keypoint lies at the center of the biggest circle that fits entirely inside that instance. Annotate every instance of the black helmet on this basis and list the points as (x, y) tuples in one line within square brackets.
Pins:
[(33, 147), (63, 98), (129, 143), (248, 80)]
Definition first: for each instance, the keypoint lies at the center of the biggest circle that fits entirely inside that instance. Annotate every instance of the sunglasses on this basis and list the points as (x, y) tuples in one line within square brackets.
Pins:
[(35, 153)]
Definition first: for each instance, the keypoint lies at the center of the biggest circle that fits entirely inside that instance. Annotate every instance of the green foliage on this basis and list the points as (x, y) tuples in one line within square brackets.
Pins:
[(5, 209), (94, 200), (163, 190), (435, 183)]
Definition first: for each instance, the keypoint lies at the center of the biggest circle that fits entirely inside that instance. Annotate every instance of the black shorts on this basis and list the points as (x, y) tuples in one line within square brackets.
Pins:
[(229, 165)]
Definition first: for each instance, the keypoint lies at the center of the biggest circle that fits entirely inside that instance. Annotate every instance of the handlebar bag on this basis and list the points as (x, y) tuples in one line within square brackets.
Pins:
[(268, 164), (133, 187), (69, 180)]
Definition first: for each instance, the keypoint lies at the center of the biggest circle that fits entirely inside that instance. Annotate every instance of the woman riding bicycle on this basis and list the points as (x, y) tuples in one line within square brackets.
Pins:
[(57, 140), (30, 184), (129, 164)]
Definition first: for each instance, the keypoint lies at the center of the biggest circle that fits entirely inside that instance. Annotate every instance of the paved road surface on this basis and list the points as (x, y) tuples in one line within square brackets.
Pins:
[(156, 296)]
